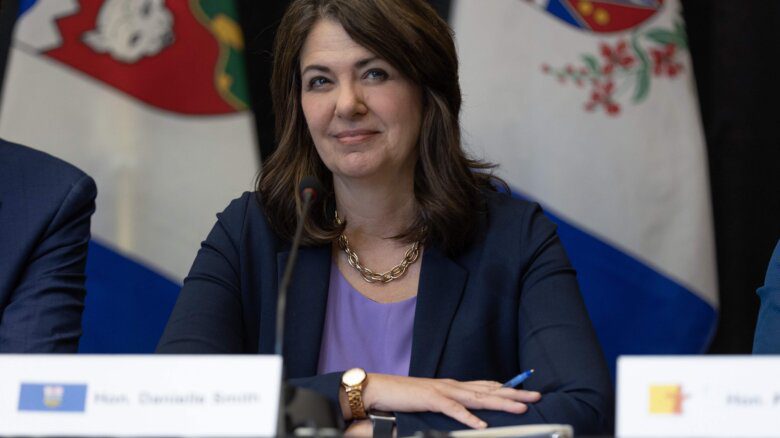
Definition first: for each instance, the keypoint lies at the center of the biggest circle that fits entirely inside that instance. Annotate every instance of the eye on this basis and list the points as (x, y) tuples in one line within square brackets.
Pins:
[(376, 74), (317, 82)]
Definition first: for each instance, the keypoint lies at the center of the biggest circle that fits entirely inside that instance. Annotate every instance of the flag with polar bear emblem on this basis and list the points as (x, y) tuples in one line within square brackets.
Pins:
[(150, 98)]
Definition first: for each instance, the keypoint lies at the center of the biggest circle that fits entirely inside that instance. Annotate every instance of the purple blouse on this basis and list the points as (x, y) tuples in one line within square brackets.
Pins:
[(359, 332)]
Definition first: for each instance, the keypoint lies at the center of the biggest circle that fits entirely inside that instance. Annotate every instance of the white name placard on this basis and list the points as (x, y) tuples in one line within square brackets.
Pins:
[(698, 396), (133, 395)]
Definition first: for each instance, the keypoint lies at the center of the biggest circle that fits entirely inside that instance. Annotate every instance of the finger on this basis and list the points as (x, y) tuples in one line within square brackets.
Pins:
[(360, 428), (520, 395), (474, 387), (487, 400), (446, 385), (497, 389), (478, 385), (488, 383), (458, 412), (480, 396)]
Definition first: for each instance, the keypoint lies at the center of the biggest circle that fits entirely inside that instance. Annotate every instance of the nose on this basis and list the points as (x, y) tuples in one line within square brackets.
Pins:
[(350, 103)]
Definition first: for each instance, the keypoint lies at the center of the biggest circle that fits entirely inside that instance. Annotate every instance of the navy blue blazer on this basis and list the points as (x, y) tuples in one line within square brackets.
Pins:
[(508, 303), (45, 210)]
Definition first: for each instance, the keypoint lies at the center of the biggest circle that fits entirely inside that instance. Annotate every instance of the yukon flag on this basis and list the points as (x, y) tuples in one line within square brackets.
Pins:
[(149, 98), (590, 109)]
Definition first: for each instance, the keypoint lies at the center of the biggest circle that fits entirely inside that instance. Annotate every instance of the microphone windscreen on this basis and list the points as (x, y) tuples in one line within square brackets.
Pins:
[(311, 185)]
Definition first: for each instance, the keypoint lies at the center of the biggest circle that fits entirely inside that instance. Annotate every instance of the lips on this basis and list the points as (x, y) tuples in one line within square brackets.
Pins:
[(353, 136)]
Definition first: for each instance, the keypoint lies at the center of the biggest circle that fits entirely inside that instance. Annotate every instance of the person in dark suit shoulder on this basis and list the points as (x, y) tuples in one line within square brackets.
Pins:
[(767, 336), (45, 210)]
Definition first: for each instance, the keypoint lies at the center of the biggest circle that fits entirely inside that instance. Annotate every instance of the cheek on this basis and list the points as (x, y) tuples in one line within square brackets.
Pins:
[(317, 122), (404, 111), (402, 103), (316, 114)]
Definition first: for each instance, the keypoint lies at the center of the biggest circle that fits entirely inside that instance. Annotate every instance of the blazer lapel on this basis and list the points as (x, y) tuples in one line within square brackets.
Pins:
[(307, 298), (438, 296)]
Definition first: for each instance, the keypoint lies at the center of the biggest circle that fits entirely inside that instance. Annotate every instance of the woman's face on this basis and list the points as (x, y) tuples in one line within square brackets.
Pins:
[(363, 115)]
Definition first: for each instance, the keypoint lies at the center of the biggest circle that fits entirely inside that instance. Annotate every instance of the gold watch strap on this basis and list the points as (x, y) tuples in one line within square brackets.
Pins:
[(355, 399)]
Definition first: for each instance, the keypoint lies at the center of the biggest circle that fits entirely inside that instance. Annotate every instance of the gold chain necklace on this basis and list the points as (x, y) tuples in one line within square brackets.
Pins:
[(412, 254)]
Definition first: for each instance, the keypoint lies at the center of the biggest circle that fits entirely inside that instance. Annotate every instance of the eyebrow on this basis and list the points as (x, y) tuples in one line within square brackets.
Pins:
[(360, 64)]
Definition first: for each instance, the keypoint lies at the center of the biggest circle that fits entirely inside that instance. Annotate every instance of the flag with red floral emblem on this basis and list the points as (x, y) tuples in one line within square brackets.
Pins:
[(589, 107), (149, 97)]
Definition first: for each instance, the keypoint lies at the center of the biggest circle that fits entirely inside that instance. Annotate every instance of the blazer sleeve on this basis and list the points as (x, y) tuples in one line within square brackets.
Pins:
[(44, 311), (767, 336), (556, 338), (207, 317)]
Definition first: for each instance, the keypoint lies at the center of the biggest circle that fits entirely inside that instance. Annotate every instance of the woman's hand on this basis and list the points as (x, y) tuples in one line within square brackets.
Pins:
[(449, 397), (360, 428)]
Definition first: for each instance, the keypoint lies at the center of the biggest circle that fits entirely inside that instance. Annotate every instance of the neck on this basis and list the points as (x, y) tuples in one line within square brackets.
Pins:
[(375, 210)]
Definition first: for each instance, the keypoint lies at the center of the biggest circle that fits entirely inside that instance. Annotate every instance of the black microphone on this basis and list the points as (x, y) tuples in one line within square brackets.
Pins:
[(309, 189), (301, 407)]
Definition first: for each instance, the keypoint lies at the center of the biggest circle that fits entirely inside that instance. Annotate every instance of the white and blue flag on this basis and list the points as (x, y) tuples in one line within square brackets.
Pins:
[(590, 109)]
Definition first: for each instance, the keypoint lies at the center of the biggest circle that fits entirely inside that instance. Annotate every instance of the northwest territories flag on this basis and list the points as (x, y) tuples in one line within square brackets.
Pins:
[(149, 97), (590, 108)]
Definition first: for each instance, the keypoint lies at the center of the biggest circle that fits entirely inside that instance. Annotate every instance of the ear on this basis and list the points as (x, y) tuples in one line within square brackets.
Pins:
[(95, 40)]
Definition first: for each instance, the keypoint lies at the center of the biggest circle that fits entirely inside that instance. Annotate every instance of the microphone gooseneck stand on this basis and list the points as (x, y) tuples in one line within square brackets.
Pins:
[(303, 412), (309, 189)]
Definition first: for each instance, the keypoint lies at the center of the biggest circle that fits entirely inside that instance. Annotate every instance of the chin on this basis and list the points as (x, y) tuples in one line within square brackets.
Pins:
[(357, 173), (358, 169)]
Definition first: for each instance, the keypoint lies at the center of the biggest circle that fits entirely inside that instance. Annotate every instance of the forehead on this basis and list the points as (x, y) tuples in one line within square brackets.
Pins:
[(328, 43)]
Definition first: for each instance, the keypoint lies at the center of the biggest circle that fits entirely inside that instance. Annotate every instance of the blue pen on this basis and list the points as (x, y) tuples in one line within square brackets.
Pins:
[(518, 379)]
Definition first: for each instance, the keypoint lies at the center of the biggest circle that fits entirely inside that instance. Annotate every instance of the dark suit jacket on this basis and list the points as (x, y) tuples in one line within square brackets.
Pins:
[(45, 209), (508, 303)]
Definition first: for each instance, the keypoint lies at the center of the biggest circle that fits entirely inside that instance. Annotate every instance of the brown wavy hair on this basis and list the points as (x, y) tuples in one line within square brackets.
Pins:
[(411, 36)]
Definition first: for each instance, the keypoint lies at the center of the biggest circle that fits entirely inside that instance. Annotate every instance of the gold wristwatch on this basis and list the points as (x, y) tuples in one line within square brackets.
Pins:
[(353, 381)]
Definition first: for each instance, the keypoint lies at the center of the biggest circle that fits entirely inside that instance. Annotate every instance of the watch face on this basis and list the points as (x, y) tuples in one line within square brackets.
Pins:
[(355, 376)]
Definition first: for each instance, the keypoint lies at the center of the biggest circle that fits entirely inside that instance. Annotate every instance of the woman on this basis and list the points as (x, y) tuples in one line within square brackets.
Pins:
[(477, 287)]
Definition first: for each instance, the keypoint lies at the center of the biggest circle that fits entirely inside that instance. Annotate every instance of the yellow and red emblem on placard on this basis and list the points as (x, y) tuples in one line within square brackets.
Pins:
[(666, 399)]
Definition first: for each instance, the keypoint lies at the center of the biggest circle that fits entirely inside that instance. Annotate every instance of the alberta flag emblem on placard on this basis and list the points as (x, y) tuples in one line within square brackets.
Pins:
[(52, 397)]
